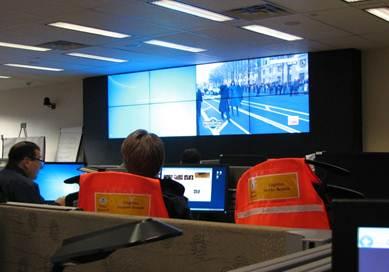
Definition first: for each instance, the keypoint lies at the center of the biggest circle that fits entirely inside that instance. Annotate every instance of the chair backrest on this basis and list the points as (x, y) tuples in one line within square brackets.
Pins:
[(280, 192), (121, 193)]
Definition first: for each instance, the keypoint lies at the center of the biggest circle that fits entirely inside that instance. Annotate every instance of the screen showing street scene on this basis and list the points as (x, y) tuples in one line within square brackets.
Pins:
[(256, 96)]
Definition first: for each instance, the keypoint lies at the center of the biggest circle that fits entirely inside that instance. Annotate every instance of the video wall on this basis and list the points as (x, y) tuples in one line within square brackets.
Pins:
[(253, 96)]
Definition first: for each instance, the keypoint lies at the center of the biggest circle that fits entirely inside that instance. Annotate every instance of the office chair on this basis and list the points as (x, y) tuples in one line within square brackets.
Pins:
[(280, 192), (121, 193)]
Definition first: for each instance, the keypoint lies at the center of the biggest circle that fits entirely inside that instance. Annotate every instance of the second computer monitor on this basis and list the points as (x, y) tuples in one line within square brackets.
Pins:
[(51, 179), (205, 185)]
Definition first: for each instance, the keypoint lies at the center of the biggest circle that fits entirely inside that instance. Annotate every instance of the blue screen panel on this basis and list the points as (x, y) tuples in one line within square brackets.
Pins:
[(173, 85), (129, 89), (205, 186), (172, 119), (125, 119), (51, 179), (373, 249)]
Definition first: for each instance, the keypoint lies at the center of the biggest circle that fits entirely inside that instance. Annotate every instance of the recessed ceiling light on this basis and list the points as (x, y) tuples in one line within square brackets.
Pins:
[(175, 46), (382, 13), (34, 67), (21, 46), (91, 30), (272, 32), (5, 77), (87, 56), (352, 1), (192, 10)]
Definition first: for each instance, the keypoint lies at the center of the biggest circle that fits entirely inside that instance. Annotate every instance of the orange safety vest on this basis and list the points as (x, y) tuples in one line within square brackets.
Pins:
[(121, 193), (280, 192)]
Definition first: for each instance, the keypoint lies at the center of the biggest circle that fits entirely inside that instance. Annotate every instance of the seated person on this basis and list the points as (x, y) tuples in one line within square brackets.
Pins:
[(190, 156), (17, 178), (143, 154)]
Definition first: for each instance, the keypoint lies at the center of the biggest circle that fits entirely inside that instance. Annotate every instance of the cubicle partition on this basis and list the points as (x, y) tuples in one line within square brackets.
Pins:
[(30, 236)]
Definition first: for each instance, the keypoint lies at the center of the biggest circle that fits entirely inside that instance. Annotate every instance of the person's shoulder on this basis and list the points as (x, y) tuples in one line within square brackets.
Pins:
[(15, 178), (4, 170), (171, 186), (3, 175), (175, 201), (9, 173), (170, 182)]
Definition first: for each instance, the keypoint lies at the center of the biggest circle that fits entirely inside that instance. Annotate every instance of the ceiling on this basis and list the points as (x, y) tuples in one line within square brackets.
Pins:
[(324, 25)]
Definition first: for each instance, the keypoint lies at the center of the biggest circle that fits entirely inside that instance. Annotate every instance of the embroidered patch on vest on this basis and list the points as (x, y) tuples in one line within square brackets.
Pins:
[(274, 187), (134, 204)]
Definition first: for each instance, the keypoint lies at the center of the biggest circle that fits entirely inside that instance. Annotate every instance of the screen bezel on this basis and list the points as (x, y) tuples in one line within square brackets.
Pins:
[(226, 171)]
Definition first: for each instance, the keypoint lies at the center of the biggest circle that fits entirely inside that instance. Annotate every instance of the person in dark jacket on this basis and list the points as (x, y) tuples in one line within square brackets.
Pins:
[(17, 178), (143, 154), (224, 104)]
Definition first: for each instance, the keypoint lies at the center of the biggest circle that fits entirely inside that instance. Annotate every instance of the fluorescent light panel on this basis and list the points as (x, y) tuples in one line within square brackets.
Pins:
[(272, 32), (382, 13), (25, 47), (353, 1), (4, 77), (34, 67), (88, 56), (192, 10), (175, 46), (91, 30)]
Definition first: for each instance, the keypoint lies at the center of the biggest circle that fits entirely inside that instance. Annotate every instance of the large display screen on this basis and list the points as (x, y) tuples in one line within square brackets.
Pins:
[(253, 96)]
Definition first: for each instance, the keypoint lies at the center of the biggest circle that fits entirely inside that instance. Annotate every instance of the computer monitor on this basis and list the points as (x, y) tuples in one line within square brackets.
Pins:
[(360, 239), (235, 172), (51, 179), (373, 249), (205, 185)]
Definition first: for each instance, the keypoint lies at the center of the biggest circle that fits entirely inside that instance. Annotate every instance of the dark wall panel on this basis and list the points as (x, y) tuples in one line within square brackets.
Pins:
[(335, 102), (335, 89), (98, 148)]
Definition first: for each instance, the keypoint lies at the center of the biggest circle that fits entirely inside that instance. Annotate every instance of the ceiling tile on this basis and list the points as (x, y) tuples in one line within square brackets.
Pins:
[(352, 20), (310, 5), (324, 25)]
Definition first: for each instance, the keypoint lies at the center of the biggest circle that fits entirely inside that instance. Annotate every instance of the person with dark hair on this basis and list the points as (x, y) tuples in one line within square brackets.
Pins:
[(190, 156), (143, 154), (17, 178)]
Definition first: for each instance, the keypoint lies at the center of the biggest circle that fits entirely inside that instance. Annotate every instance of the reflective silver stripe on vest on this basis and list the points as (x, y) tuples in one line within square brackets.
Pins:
[(281, 209)]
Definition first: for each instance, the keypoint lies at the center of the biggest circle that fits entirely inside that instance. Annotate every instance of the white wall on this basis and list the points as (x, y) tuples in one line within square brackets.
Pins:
[(26, 105), (375, 100)]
